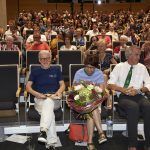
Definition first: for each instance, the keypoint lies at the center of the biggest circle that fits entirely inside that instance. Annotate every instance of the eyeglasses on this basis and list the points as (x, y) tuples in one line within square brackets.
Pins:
[(45, 59)]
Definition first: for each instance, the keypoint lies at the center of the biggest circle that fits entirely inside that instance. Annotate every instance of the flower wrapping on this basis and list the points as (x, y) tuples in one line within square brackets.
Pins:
[(85, 97)]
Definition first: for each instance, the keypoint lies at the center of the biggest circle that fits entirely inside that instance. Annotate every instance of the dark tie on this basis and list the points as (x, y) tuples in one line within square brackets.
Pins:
[(128, 79)]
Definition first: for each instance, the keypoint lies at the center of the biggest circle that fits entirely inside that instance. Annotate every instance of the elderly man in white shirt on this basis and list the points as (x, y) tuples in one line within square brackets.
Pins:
[(131, 81)]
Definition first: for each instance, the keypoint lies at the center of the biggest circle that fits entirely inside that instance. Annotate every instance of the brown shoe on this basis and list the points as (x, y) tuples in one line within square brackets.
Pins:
[(102, 138)]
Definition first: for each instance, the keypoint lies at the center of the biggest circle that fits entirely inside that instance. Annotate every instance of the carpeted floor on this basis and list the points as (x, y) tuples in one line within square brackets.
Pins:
[(118, 142)]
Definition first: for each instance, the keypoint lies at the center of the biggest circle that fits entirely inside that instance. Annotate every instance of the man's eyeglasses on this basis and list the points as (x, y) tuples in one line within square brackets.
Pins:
[(45, 59)]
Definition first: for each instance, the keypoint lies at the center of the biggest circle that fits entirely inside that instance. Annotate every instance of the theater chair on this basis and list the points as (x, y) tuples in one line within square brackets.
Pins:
[(9, 94), (10, 57), (31, 115), (31, 58), (65, 58)]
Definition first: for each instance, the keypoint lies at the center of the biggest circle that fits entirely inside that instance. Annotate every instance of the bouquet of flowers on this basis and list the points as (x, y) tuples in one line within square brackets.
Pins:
[(85, 97)]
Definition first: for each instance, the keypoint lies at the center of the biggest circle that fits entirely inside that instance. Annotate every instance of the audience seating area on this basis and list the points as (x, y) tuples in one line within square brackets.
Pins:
[(16, 105)]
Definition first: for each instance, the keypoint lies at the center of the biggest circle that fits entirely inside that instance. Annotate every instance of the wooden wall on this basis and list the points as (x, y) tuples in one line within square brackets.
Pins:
[(14, 6), (3, 15)]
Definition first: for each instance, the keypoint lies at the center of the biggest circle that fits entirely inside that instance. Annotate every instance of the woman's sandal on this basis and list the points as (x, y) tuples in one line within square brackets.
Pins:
[(91, 146), (102, 138)]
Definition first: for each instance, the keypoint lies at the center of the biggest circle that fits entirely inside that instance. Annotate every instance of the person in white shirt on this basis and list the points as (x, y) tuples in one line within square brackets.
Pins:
[(94, 31), (30, 38), (67, 43), (131, 94), (115, 36), (49, 32)]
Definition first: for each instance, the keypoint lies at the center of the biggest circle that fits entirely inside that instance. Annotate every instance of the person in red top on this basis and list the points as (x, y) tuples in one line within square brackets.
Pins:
[(105, 38), (37, 44)]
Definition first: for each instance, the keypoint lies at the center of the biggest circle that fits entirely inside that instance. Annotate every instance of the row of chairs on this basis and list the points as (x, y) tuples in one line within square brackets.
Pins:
[(10, 93), (64, 57)]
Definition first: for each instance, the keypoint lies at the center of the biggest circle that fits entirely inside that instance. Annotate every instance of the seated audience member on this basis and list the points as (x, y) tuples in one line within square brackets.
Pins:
[(28, 26), (72, 30), (93, 43), (146, 48), (11, 26), (105, 58), (105, 38), (116, 51), (30, 38), (123, 40), (67, 42), (131, 81), (46, 80), (92, 49), (54, 44), (49, 32), (15, 34), (37, 44), (9, 45), (80, 39), (134, 37), (92, 74), (94, 31), (112, 32)]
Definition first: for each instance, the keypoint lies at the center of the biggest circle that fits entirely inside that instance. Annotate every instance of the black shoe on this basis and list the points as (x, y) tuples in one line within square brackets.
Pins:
[(42, 137), (51, 148)]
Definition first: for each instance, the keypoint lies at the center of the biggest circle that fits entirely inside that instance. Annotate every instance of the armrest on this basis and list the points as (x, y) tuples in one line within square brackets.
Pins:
[(18, 92), (26, 94)]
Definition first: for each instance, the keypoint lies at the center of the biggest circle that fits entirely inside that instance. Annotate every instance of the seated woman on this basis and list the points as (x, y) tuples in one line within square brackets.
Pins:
[(80, 39), (93, 43), (54, 44), (122, 45), (67, 43), (105, 58), (94, 75), (105, 38), (9, 45)]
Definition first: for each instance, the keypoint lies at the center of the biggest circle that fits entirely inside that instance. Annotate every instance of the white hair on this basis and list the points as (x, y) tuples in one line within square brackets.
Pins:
[(124, 37), (44, 52), (9, 37)]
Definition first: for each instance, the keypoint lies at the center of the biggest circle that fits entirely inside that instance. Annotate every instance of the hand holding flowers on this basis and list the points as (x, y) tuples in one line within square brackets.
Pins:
[(85, 97)]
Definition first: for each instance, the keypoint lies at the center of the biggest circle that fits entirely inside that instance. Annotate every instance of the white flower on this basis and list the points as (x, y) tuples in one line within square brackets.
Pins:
[(76, 97), (98, 89), (90, 87), (78, 87)]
